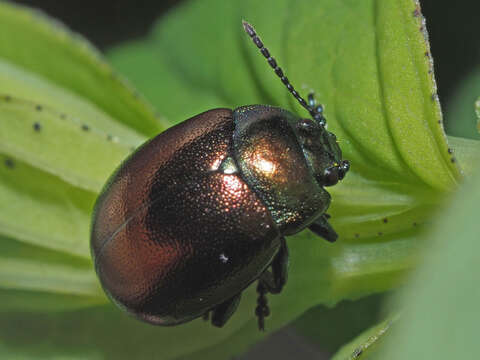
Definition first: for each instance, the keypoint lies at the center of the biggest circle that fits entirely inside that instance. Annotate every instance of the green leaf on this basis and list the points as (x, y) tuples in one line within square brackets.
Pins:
[(39, 209), (37, 44), (36, 279), (17, 81), (365, 61), (58, 143), (440, 307)]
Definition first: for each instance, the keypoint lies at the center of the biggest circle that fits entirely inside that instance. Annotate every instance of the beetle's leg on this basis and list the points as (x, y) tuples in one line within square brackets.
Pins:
[(262, 310), (322, 228), (222, 312), (275, 281), (272, 282)]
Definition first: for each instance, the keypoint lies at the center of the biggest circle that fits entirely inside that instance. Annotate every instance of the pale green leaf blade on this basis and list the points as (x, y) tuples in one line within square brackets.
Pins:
[(40, 209), (37, 89), (58, 143), (45, 47), (33, 278)]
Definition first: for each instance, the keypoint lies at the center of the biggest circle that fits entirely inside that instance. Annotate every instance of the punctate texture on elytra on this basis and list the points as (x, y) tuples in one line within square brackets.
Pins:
[(198, 213)]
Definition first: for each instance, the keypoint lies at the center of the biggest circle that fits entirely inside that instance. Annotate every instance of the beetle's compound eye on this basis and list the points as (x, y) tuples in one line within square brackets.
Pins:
[(331, 176), (343, 169), (306, 127)]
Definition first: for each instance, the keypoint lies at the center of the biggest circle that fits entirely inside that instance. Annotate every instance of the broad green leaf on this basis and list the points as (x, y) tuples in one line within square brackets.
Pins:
[(462, 120), (58, 143), (440, 307), (15, 81), (42, 46), (36, 279), (39, 209)]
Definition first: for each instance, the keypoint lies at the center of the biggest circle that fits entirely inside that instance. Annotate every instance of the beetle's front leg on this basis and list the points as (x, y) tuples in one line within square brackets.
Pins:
[(322, 228)]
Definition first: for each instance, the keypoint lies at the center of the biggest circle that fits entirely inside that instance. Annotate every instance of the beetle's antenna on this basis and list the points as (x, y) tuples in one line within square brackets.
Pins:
[(315, 111)]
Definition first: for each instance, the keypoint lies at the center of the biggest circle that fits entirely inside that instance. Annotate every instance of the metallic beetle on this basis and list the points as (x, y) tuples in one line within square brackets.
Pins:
[(201, 211)]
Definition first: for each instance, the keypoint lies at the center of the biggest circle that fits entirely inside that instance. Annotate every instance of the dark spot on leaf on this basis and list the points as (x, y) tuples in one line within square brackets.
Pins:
[(380, 233), (85, 127), (9, 163), (427, 54), (8, 98), (452, 160), (439, 121), (357, 352), (38, 107), (357, 235), (450, 151), (37, 126), (414, 224), (63, 116), (385, 220), (109, 137), (416, 12)]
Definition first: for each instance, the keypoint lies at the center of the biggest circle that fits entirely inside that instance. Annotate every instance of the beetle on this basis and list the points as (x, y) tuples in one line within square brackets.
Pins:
[(201, 211)]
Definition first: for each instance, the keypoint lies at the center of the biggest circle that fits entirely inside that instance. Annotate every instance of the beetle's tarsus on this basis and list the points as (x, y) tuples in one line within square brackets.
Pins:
[(322, 228), (262, 310), (224, 311)]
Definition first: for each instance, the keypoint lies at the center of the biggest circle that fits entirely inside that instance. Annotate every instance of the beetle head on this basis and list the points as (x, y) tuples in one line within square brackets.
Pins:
[(321, 151)]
